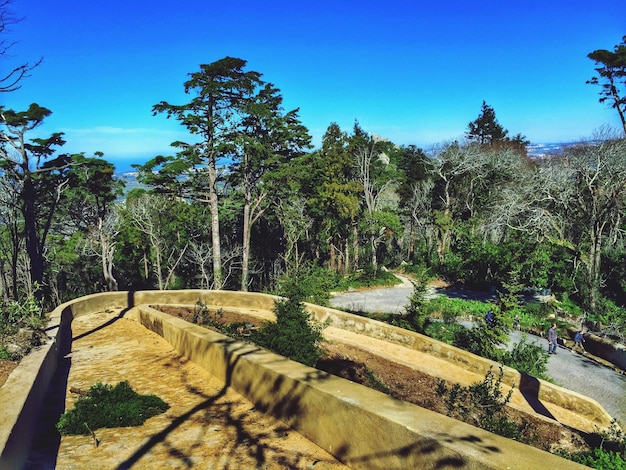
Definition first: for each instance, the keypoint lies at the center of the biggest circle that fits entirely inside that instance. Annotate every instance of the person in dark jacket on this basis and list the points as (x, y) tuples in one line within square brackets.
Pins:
[(579, 339), (552, 339)]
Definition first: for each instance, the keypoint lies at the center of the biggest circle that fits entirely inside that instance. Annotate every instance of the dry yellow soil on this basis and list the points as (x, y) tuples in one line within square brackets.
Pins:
[(207, 426)]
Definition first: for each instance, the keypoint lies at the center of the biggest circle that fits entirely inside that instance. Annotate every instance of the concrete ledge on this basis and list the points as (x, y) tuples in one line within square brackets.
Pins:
[(362, 427)]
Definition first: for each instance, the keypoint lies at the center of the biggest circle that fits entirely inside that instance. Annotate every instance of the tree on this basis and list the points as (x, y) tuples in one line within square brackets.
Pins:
[(266, 139), (486, 129), (39, 183), (415, 192), (213, 115), (152, 215), (611, 77), (576, 201), (11, 80), (373, 172), (333, 199), (89, 208)]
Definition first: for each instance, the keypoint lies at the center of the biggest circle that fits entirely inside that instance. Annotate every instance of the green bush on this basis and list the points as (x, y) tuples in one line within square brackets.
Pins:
[(599, 459), (294, 334), (528, 358), (442, 307), (26, 314), (107, 406), (415, 318), (366, 279), (481, 404), (315, 284), (442, 331), (608, 450), (483, 339)]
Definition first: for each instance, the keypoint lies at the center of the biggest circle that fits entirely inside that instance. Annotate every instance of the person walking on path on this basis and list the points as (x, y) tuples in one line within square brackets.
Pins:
[(552, 339), (579, 339), (490, 318)]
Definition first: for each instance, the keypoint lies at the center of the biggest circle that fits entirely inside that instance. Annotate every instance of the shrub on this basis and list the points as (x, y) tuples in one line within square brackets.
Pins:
[(483, 339), (294, 334), (415, 318), (106, 406), (442, 307), (608, 450), (442, 331), (481, 404), (315, 284), (528, 358), (368, 279)]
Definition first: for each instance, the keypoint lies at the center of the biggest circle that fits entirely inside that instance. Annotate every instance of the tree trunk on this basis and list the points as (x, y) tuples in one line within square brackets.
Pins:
[(332, 262), (411, 239), (593, 266), (346, 266), (33, 247), (245, 257), (218, 282), (355, 244), (373, 248)]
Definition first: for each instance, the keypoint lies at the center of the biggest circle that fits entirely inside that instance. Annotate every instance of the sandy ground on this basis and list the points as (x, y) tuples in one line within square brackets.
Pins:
[(207, 426)]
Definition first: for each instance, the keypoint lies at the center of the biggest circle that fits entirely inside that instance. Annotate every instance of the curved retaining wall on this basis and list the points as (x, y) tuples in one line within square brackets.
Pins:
[(361, 427), (611, 351)]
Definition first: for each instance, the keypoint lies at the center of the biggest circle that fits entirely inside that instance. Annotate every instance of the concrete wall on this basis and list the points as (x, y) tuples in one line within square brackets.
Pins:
[(362, 427), (615, 353)]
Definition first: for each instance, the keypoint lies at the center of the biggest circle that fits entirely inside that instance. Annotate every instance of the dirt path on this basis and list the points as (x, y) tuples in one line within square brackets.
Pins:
[(207, 425)]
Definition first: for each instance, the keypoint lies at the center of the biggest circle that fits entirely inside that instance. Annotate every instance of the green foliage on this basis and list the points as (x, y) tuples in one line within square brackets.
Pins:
[(486, 129), (485, 340), (414, 319), (599, 459), (368, 278), (611, 77), (107, 406), (4, 354), (443, 331), (481, 404), (442, 306), (611, 318), (528, 358), (374, 382), (314, 282), (27, 313), (294, 334), (608, 451), (15, 316)]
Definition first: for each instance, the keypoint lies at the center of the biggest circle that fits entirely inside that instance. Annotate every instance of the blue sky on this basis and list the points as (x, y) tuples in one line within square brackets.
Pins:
[(412, 71)]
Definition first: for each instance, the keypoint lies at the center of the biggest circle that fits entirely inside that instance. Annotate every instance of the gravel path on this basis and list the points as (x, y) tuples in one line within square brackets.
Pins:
[(573, 371)]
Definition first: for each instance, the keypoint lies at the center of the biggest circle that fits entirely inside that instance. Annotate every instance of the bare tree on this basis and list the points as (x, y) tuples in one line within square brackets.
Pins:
[(10, 81), (199, 254), (470, 176), (576, 200), (420, 209), (101, 243), (145, 213), (366, 157), (295, 223)]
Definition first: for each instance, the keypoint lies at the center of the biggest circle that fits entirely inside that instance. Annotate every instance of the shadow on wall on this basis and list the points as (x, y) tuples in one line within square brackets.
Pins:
[(529, 388)]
